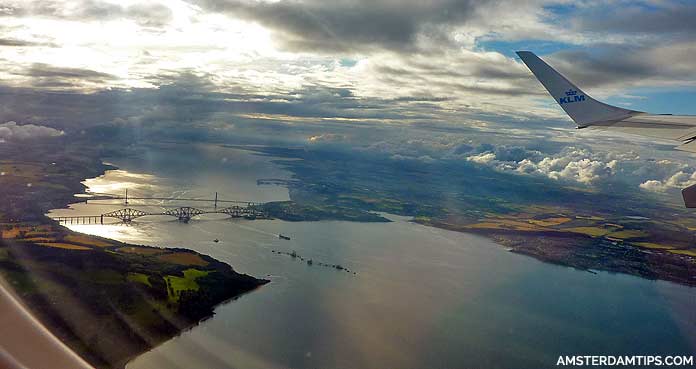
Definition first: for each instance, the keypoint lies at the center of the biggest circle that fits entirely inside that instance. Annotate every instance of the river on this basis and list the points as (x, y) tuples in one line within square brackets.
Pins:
[(420, 297)]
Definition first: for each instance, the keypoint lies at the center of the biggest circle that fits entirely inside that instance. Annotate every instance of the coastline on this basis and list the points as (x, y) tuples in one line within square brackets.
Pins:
[(580, 235), (581, 252), (107, 300)]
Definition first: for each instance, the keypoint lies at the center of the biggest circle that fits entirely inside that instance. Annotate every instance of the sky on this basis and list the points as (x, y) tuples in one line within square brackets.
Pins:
[(326, 70)]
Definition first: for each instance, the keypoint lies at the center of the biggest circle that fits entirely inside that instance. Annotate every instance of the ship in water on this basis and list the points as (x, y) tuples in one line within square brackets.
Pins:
[(283, 237)]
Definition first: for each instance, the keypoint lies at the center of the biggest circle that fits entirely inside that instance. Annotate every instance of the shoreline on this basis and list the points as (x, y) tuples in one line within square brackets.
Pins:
[(190, 327), (554, 251), (579, 234), (91, 291)]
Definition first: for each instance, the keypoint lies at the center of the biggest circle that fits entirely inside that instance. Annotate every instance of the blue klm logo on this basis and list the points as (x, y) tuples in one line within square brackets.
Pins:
[(571, 96)]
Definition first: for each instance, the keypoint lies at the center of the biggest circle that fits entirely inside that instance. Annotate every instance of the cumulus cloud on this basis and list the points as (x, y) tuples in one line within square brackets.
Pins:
[(571, 164), (11, 131), (679, 180), (585, 166), (482, 158)]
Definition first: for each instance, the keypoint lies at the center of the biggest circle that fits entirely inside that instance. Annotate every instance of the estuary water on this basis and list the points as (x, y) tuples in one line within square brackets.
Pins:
[(420, 297)]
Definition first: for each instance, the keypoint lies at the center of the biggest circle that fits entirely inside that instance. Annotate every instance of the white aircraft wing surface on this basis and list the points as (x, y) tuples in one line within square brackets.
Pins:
[(680, 128), (587, 112)]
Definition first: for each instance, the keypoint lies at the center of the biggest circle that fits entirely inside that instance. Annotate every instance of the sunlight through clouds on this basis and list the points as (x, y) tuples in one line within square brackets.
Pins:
[(311, 60)]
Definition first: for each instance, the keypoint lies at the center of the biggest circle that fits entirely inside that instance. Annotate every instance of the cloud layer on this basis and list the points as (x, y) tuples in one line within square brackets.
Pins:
[(447, 57), (350, 25), (411, 80)]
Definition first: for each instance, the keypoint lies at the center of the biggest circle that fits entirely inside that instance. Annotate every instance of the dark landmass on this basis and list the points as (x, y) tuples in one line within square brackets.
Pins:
[(617, 231), (589, 253), (107, 300), (296, 212)]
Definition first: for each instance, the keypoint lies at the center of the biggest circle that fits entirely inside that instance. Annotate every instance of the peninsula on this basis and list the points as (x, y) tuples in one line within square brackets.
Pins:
[(109, 301)]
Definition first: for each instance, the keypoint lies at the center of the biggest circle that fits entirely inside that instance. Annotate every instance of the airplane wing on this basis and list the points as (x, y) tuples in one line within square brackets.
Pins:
[(680, 128), (25, 343), (587, 112)]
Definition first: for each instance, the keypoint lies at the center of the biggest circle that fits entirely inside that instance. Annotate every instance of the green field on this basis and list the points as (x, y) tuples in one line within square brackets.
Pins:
[(140, 278), (188, 282)]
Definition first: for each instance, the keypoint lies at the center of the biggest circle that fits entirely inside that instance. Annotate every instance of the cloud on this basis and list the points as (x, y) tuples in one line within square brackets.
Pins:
[(406, 26), (13, 42), (427, 58), (600, 168), (11, 131), (534, 156), (453, 73), (186, 98), (147, 15), (431, 59), (309, 61), (482, 158), (51, 72), (325, 137), (571, 165), (623, 66), (51, 77), (639, 17), (644, 44), (346, 25), (679, 180)]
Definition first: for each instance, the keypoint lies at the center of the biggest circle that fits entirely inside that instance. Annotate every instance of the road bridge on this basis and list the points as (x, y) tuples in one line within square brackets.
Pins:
[(126, 198)]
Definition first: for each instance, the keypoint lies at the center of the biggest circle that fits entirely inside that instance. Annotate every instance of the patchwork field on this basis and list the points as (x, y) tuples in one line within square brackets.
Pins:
[(114, 285), (66, 246), (175, 284), (182, 258), (139, 250), (81, 239), (90, 291), (140, 278), (668, 238)]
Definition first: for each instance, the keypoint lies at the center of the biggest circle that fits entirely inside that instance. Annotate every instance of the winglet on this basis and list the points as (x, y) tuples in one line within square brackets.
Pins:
[(582, 108)]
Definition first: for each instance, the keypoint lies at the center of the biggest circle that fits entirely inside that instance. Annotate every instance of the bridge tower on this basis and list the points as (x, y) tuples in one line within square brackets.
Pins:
[(184, 214), (125, 215)]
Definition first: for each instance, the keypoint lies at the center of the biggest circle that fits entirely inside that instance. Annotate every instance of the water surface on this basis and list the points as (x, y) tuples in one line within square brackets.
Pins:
[(420, 297)]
